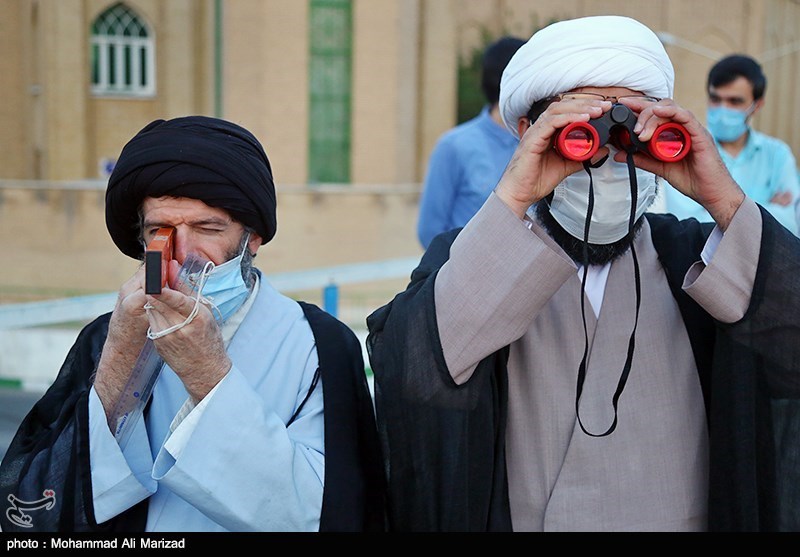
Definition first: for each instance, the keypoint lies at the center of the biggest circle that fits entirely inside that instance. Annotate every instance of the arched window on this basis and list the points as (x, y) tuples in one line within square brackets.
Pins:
[(122, 54)]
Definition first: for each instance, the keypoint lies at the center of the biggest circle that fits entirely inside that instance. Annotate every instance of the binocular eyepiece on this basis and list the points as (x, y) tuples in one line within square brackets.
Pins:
[(579, 141)]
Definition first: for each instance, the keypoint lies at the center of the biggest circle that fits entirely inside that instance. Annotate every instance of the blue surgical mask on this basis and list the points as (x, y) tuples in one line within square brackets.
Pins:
[(726, 124), (225, 288)]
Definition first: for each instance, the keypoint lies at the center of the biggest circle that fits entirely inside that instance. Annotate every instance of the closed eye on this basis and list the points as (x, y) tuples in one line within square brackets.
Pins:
[(210, 229)]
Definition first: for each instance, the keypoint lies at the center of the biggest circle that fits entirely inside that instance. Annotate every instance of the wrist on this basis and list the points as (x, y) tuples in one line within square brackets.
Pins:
[(517, 206), (203, 383), (723, 211)]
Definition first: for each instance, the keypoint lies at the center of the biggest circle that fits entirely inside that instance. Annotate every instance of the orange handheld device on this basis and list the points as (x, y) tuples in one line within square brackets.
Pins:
[(156, 260)]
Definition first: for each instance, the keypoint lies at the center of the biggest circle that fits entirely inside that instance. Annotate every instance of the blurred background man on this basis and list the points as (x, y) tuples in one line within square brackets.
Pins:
[(764, 166), (469, 159)]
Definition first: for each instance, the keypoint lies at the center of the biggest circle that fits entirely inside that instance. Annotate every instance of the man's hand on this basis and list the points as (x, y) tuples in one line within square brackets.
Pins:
[(701, 175), (127, 332), (196, 351), (536, 168)]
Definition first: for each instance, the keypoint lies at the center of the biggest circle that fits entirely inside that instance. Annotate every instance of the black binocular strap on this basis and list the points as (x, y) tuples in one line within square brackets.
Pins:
[(631, 342)]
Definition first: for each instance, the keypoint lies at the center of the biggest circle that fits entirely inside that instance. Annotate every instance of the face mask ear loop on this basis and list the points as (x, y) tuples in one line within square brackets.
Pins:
[(209, 266), (210, 299)]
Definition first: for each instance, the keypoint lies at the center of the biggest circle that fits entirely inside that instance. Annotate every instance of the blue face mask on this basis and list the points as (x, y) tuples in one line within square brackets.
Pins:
[(225, 288), (726, 124)]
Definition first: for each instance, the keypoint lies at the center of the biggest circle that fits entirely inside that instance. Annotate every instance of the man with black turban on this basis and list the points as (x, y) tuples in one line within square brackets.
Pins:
[(260, 416), (570, 362)]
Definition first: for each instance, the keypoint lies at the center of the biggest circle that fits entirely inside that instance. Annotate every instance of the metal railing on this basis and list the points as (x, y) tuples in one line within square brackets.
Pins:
[(328, 279)]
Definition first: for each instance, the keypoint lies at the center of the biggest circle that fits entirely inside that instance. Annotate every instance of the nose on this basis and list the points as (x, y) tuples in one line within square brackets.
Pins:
[(182, 244)]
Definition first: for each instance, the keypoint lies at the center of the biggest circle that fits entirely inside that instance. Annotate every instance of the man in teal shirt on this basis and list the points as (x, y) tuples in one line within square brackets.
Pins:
[(762, 165)]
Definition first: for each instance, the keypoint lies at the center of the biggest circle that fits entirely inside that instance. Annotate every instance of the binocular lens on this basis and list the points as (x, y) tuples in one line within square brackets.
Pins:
[(578, 143), (669, 143)]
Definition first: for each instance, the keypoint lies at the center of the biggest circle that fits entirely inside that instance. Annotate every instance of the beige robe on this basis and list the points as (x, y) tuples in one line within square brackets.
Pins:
[(650, 474)]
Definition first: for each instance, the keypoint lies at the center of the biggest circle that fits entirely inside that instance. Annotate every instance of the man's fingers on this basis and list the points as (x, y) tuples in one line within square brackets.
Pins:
[(132, 303), (171, 301), (652, 117)]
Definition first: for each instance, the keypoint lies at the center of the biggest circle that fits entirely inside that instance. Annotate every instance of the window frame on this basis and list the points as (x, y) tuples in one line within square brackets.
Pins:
[(131, 70), (330, 101)]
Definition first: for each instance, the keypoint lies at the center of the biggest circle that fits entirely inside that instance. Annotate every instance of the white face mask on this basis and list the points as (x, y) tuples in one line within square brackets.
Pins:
[(612, 201)]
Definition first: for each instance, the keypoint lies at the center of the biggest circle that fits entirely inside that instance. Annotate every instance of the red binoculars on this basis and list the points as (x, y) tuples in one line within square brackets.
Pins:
[(579, 141)]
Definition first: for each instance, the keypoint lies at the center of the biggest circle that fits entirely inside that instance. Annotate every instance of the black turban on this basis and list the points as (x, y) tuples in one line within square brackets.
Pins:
[(212, 160)]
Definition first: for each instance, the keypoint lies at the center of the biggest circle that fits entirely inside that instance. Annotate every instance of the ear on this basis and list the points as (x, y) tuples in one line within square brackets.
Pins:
[(758, 104), (522, 125), (254, 243)]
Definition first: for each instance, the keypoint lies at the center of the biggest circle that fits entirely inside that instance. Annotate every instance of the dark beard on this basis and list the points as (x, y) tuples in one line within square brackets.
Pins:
[(248, 274), (599, 254)]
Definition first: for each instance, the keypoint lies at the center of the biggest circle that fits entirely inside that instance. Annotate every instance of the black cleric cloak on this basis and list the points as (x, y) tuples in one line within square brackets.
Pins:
[(445, 443), (51, 447)]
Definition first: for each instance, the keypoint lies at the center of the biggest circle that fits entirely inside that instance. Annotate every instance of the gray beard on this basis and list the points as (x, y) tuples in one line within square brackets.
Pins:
[(248, 272)]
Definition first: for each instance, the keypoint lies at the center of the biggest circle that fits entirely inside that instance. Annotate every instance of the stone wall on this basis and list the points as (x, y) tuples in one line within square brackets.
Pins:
[(54, 242)]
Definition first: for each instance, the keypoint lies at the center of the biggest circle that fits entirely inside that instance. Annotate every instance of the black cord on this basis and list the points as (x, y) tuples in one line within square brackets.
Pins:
[(314, 382), (637, 276)]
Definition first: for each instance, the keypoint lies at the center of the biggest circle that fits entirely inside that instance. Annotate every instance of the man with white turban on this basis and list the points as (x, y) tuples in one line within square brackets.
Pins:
[(568, 361)]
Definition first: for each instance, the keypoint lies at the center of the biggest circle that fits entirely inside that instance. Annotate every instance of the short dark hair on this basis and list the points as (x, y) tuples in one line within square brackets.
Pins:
[(738, 65), (495, 59)]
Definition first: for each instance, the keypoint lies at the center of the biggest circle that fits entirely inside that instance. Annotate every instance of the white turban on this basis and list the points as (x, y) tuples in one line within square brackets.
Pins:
[(597, 51)]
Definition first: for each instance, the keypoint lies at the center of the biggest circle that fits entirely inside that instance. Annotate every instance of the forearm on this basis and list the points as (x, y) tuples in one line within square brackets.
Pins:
[(119, 479), (722, 210), (724, 285), (500, 273), (113, 371)]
